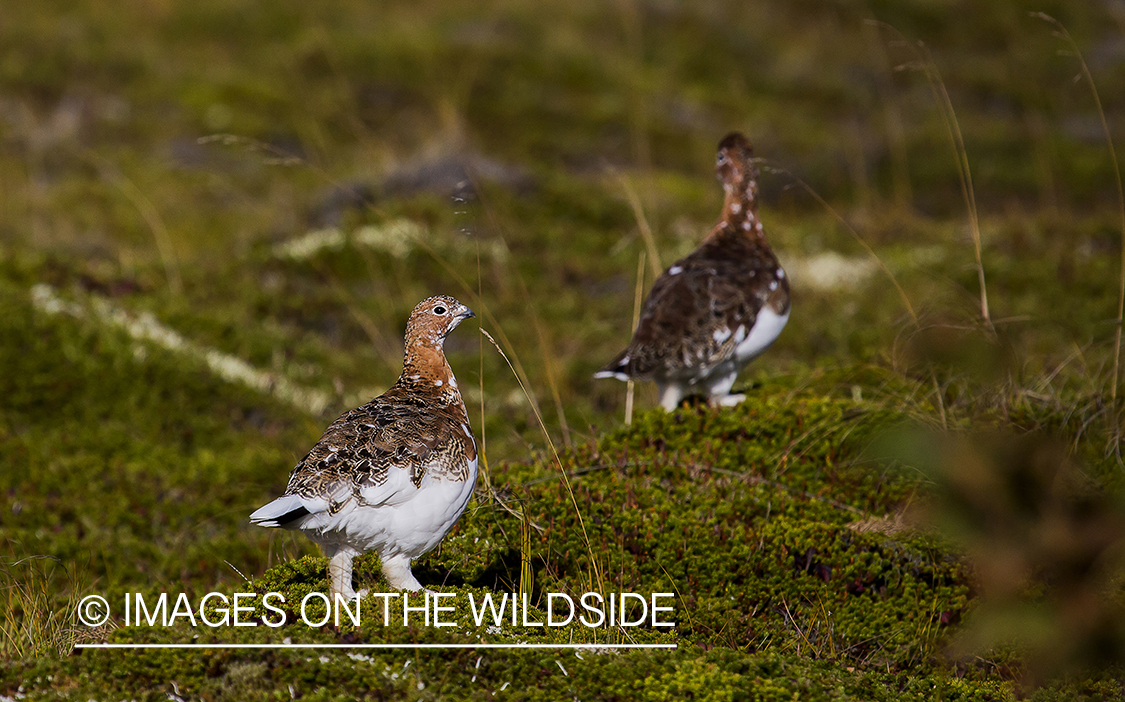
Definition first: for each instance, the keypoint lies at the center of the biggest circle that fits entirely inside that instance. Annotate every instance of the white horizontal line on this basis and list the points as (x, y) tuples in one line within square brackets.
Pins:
[(385, 646)]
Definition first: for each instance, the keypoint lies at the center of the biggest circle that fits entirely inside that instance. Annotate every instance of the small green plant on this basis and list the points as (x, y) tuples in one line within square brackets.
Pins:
[(39, 598)]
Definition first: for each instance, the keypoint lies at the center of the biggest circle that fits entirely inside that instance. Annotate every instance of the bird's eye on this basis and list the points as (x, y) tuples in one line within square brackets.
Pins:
[(720, 159), (439, 310)]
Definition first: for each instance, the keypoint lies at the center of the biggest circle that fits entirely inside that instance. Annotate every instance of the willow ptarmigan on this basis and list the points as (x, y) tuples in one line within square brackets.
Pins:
[(716, 309), (393, 475)]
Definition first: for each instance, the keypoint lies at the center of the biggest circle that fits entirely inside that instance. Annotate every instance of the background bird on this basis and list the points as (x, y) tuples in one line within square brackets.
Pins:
[(715, 310), (393, 475)]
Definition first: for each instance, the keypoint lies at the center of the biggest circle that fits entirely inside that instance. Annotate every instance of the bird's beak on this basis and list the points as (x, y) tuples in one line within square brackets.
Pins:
[(466, 314)]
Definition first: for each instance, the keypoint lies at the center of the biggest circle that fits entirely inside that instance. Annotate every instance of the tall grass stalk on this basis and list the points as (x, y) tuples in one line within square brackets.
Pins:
[(485, 473), (527, 573), (630, 385), (928, 66), (941, 95), (596, 574), (1062, 33), (486, 313), (855, 235), (939, 400), (549, 365), (150, 215), (642, 224)]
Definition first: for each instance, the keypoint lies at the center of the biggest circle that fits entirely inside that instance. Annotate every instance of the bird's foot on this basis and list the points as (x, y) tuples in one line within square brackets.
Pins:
[(729, 400), (397, 572)]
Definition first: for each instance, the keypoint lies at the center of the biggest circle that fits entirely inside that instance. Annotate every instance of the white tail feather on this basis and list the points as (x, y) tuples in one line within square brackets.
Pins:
[(268, 515)]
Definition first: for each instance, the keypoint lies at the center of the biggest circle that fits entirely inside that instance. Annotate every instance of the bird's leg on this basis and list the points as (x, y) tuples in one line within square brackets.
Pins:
[(397, 571), (340, 574), (671, 393), (720, 392)]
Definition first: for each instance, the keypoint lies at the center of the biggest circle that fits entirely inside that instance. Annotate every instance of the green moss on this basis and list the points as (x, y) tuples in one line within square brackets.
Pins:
[(137, 466)]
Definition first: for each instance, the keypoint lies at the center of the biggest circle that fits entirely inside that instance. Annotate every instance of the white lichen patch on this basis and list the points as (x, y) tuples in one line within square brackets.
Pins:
[(146, 327), (397, 237), (829, 271), (310, 244)]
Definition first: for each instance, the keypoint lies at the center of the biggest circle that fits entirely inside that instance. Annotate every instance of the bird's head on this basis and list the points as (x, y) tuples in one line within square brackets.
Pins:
[(435, 317), (734, 163)]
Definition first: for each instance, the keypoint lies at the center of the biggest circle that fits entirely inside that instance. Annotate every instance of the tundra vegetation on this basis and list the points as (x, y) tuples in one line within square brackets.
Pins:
[(217, 215)]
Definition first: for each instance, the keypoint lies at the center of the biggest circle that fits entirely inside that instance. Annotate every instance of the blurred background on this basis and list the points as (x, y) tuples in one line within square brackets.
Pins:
[(216, 216), (282, 182)]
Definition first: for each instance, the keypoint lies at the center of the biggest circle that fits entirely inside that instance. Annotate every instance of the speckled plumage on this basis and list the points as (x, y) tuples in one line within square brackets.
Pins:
[(716, 309), (395, 474)]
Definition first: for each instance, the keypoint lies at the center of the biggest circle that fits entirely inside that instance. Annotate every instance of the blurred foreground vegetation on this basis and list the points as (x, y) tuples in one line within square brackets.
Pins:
[(217, 215)]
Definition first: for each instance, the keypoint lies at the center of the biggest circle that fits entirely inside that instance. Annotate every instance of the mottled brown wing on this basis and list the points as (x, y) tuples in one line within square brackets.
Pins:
[(691, 314), (363, 445)]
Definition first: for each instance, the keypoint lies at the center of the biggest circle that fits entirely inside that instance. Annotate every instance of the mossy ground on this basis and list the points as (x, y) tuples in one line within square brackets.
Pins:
[(179, 319)]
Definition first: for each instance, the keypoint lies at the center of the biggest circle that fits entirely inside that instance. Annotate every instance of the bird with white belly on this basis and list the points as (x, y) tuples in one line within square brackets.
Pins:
[(716, 309), (393, 475)]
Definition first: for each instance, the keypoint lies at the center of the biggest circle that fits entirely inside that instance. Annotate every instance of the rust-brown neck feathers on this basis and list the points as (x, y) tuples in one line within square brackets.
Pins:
[(424, 367), (734, 166)]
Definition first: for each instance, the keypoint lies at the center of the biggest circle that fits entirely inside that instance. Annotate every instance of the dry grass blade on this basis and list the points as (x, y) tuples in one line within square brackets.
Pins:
[(949, 116), (386, 349), (548, 366), (541, 333), (939, 401), (485, 473), (859, 239), (941, 95), (642, 224), (527, 574), (596, 570), (31, 622), (151, 217), (1065, 35), (630, 385)]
